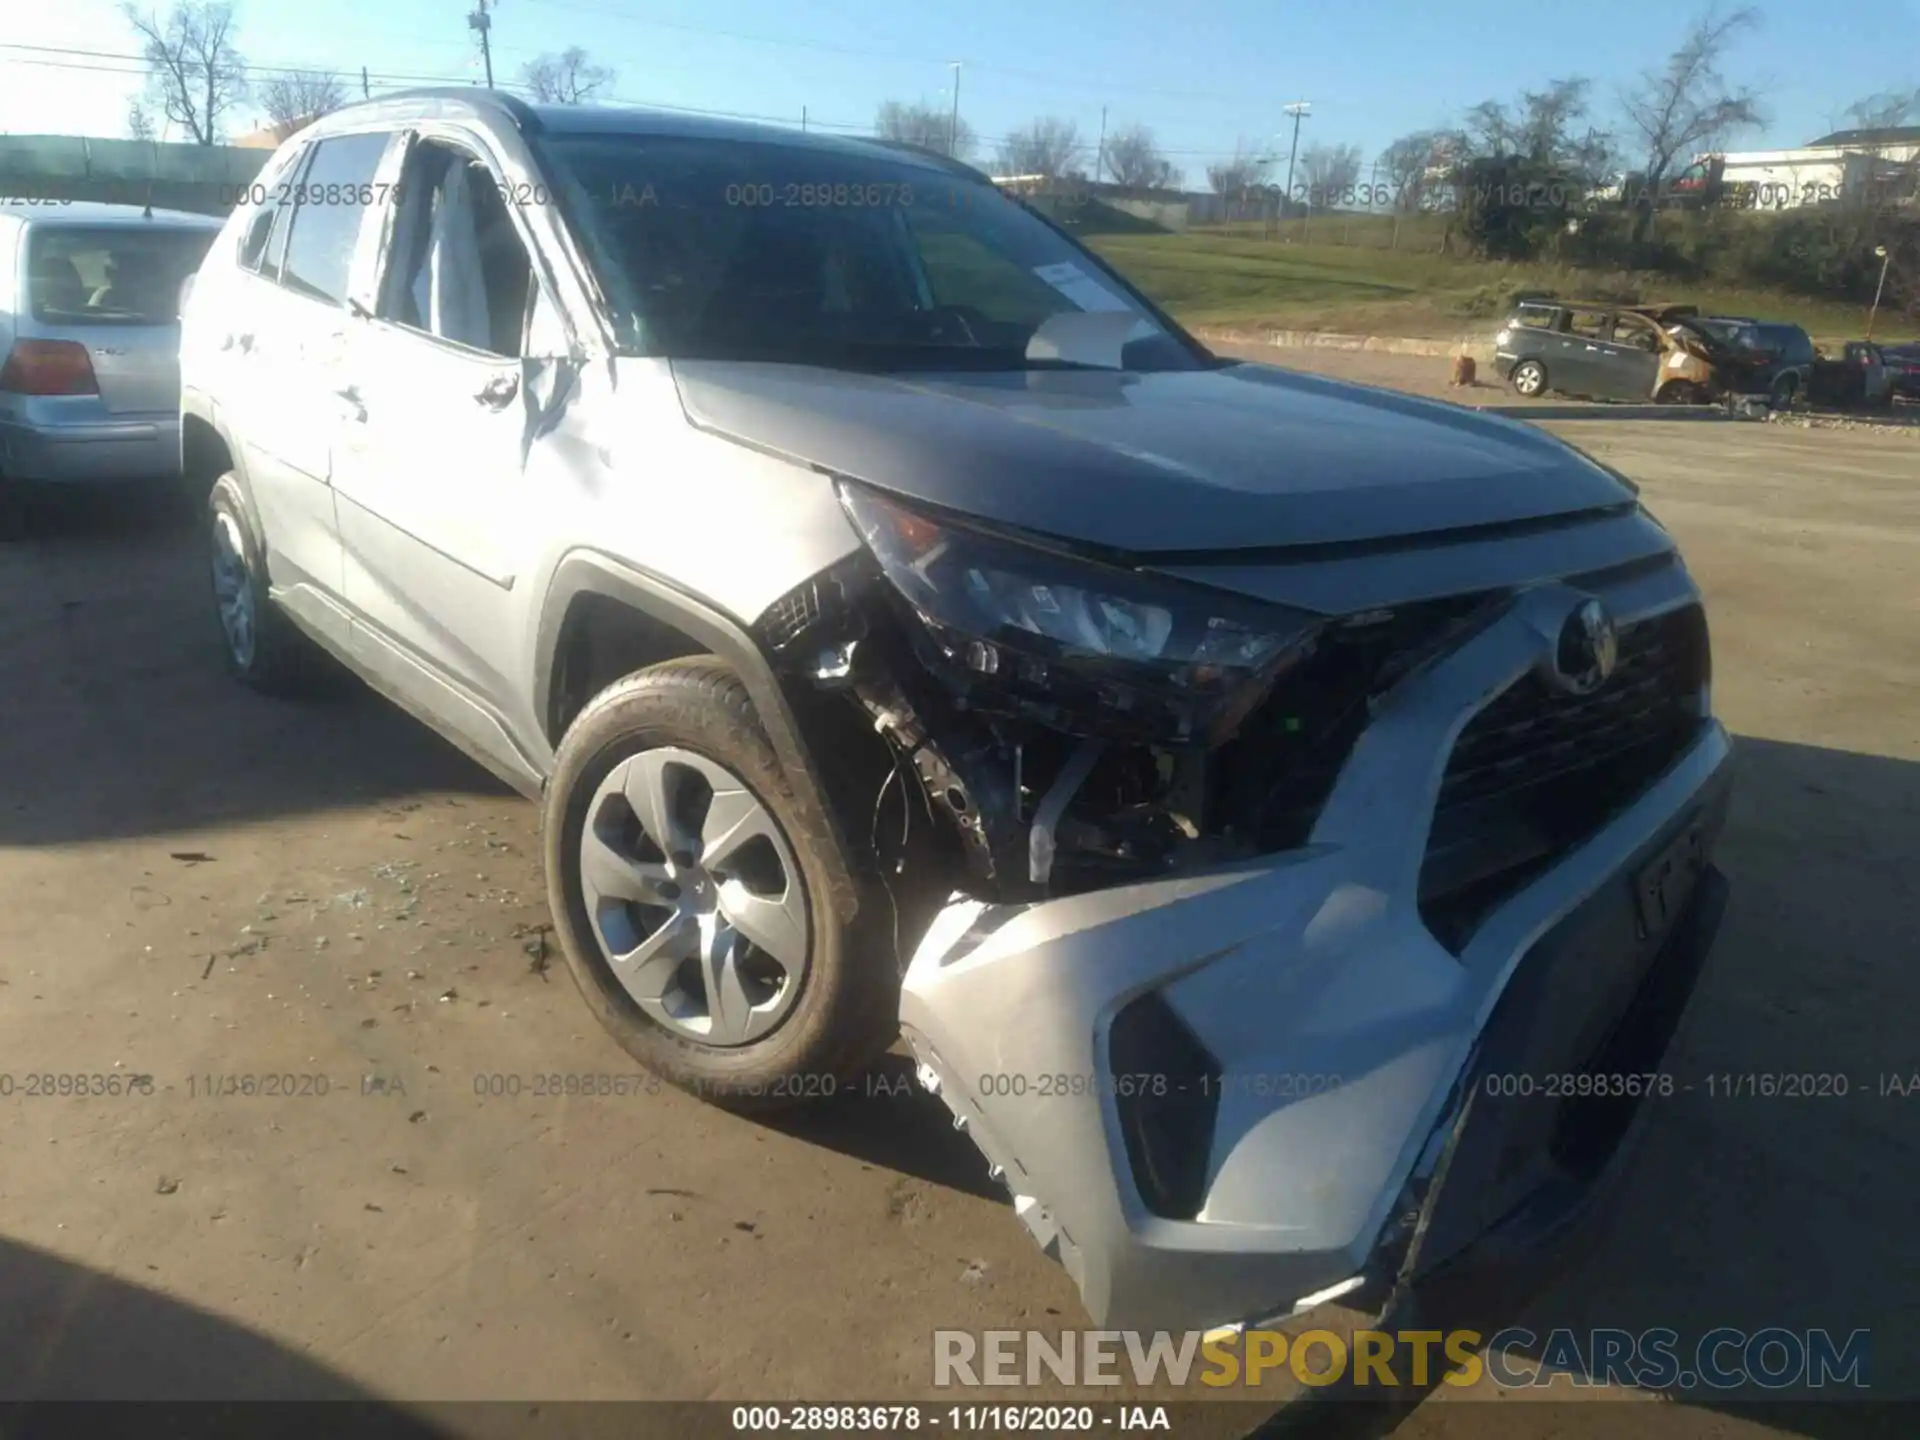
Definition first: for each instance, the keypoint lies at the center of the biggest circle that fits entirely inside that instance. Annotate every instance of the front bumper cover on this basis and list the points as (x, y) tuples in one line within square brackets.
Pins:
[(1351, 1047)]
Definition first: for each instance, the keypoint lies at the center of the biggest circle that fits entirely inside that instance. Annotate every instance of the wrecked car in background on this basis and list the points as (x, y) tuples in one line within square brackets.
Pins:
[(1277, 814), (1862, 377), (1617, 352)]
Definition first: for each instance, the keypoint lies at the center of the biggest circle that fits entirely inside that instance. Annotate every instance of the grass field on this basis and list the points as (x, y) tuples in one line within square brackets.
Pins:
[(1221, 279)]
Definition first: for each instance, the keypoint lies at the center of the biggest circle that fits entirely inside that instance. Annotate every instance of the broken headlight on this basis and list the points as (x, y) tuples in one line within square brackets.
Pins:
[(1103, 648)]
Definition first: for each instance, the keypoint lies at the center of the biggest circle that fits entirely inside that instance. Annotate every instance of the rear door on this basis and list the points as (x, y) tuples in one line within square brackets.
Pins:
[(291, 332), (116, 290), (1626, 361), (1573, 365)]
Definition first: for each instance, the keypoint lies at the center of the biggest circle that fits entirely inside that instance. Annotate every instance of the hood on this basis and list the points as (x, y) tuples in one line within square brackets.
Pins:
[(1239, 457)]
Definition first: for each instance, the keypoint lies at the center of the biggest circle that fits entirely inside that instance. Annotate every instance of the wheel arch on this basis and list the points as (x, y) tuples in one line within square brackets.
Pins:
[(208, 451), (591, 594)]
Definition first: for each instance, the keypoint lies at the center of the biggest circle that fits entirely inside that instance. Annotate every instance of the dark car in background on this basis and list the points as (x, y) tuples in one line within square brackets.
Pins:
[(1783, 354), (1904, 363), (1859, 378)]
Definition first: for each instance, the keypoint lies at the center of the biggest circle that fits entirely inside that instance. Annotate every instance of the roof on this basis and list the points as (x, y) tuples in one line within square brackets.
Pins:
[(1656, 310), (626, 120), (95, 212), (1885, 135)]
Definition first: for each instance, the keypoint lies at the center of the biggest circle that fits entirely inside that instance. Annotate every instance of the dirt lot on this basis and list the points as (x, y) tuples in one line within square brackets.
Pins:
[(200, 886)]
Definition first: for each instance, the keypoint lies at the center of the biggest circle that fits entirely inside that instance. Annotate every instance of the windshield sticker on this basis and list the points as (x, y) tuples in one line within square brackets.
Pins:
[(1080, 287)]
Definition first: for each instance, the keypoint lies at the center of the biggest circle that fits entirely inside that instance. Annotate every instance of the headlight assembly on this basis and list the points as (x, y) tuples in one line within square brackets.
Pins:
[(1102, 647)]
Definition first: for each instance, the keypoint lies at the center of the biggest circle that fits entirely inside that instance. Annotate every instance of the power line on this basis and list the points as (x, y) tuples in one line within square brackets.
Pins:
[(133, 65)]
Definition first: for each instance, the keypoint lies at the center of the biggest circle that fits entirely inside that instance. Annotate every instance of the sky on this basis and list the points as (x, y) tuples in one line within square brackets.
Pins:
[(1205, 76)]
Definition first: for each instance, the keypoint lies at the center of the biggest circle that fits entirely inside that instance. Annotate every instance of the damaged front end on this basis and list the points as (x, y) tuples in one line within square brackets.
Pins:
[(1239, 908)]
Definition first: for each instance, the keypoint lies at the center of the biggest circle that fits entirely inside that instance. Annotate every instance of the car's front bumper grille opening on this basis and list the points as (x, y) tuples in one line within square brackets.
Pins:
[(1166, 1090), (1537, 771)]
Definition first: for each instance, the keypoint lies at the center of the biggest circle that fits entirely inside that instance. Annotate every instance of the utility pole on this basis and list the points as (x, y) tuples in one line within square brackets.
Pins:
[(953, 125), (803, 119), (366, 88), (1100, 154), (1299, 110), (482, 22)]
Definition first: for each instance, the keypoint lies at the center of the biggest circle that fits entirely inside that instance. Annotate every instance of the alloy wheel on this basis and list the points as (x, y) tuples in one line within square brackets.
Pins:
[(694, 896), (233, 589)]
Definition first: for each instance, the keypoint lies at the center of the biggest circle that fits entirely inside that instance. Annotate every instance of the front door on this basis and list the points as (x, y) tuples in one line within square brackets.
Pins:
[(432, 495)]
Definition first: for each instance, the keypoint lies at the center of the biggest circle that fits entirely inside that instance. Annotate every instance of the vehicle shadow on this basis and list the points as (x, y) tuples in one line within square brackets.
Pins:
[(69, 1333), (884, 1118), (120, 719), (1745, 1209)]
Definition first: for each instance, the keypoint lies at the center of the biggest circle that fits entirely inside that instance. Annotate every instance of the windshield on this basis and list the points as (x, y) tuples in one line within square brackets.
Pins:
[(722, 249), (110, 275)]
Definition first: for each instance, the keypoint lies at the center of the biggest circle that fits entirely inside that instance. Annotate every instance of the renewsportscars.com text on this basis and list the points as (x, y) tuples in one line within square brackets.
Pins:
[(1658, 1359)]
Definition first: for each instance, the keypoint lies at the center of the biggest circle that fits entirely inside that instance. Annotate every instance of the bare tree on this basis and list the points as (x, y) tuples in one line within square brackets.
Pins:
[(139, 121), (1688, 106), (569, 78), (1409, 164), (1134, 160), (1327, 175), (194, 75), (1049, 147), (300, 97), (927, 126), (1547, 128), (1246, 170), (1885, 111)]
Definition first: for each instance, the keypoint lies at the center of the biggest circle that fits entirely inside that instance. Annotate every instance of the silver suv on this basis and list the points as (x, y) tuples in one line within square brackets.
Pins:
[(1254, 799)]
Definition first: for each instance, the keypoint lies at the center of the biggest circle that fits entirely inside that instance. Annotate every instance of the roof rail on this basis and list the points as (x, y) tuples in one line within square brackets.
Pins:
[(522, 114)]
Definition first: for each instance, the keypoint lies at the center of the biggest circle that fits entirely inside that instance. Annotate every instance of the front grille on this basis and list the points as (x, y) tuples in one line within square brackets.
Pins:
[(1537, 771)]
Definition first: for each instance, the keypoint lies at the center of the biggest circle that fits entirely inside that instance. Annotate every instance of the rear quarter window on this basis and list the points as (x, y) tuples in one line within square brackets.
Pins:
[(1536, 317), (110, 275)]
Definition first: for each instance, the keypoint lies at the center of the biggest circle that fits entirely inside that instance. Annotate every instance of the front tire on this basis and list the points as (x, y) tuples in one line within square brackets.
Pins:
[(690, 907), (1529, 378)]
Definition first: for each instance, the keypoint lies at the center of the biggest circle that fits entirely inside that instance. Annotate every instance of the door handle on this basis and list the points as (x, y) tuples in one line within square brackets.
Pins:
[(1594, 348), (498, 392), (351, 403)]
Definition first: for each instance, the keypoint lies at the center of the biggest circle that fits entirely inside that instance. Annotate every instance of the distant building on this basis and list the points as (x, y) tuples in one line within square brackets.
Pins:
[(1846, 167)]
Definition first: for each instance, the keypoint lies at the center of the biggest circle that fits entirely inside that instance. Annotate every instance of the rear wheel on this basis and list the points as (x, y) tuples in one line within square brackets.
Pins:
[(1529, 377), (264, 649), (1681, 392), (1785, 391)]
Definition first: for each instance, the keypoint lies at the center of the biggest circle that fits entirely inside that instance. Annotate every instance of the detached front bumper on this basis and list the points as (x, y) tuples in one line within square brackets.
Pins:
[(1225, 1096)]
